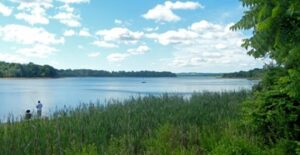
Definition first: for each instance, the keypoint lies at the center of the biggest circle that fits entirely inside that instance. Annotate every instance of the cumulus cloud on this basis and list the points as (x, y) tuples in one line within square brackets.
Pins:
[(94, 54), (119, 34), (4, 10), (74, 1), (118, 21), (66, 7), (105, 44), (117, 57), (84, 32), (188, 5), (28, 35), (69, 33), (164, 12), (67, 15), (40, 39), (172, 37), (7, 57), (139, 50), (112, 37), (34, 12), (151, 29), (39, 51), (68, 18), (204, 44)]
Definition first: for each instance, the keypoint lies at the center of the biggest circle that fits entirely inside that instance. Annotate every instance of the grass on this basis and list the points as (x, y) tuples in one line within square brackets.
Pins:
[(207, 123)]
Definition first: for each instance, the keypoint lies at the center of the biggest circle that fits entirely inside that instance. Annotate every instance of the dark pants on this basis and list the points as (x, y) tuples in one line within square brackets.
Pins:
[(28, 116), (39, 113)]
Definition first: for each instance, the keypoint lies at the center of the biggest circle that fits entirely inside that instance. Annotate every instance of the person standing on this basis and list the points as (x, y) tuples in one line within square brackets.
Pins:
[(39, 108)]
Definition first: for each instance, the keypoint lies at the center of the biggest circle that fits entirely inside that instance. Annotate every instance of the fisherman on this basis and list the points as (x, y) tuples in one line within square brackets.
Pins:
[(39, 107), (28, 115)]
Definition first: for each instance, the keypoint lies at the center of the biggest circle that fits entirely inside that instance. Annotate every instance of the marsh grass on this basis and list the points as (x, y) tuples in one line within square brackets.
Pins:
[(207, 123)]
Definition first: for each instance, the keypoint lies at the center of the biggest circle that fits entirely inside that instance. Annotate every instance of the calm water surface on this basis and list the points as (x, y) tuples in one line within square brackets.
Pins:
[(17, 95)]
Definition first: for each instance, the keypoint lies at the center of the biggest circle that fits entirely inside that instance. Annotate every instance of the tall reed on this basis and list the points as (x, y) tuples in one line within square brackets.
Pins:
[(165, 124)]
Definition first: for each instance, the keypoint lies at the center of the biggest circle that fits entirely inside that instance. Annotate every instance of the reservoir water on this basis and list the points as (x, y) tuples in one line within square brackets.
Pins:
[(17, 95)]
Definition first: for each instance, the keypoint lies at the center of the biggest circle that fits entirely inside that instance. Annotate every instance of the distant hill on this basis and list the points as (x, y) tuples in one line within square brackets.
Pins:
[(251, 74), (31, 70)]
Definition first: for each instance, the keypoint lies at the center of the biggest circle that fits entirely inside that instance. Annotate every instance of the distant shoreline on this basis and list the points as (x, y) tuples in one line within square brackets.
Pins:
[(38, 78), (31, 70)]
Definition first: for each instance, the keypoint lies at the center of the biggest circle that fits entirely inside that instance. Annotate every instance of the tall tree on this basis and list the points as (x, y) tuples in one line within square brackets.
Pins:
[(275, 110)]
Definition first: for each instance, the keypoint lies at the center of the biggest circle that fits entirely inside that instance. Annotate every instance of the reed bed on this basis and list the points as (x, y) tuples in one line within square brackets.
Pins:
[(206, 123)]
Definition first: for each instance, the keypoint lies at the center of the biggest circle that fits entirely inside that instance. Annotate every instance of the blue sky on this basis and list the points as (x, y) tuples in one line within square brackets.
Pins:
[(177, 36)]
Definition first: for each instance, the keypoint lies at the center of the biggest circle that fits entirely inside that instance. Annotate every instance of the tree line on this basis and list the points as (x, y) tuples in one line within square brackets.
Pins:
[(26, 70), (32, 70), (251, 74)]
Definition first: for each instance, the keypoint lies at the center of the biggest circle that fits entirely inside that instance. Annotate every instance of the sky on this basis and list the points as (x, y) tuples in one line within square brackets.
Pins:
[(114, 35)]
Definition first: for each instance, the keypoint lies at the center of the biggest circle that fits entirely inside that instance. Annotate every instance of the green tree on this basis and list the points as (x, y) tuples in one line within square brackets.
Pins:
[(274, 111)]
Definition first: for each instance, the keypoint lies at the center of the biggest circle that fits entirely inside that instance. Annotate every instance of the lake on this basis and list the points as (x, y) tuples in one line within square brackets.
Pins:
[(17, 95)]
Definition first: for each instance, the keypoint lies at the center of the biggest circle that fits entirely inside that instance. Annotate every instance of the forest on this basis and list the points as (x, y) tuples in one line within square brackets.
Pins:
[(30, 70), (251, 74)]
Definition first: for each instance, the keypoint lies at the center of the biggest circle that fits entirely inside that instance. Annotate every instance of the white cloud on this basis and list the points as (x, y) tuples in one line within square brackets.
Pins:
[(74, 1), (7, 57), (69, 33), (66, 8), (121, 35), (39, 51), (4, 10), (204, 45), (84, 32), (32, 19), (140, 50), (117, 57), (118, 21), (94, 54), (28, 35), (188, 5), (173, 37), (161, 13), (150, 29), (34, 12), (68, 18), (105, 44), (204, 26)]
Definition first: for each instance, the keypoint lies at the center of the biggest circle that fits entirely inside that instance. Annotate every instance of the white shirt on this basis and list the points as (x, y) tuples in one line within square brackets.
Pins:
[(39, 106)]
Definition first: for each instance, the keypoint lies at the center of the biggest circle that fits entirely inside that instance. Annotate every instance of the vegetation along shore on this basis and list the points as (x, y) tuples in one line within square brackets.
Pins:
[(207, 123)]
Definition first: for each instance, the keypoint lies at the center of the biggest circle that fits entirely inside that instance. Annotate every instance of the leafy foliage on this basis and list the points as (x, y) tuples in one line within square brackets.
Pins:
[(26, 70), (274, 111)]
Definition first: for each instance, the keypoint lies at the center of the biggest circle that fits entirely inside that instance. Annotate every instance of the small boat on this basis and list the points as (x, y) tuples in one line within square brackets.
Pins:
[(144, 82)]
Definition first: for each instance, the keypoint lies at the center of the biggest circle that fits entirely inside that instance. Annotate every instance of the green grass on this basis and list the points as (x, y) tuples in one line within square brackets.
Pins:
[(207, 123)]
